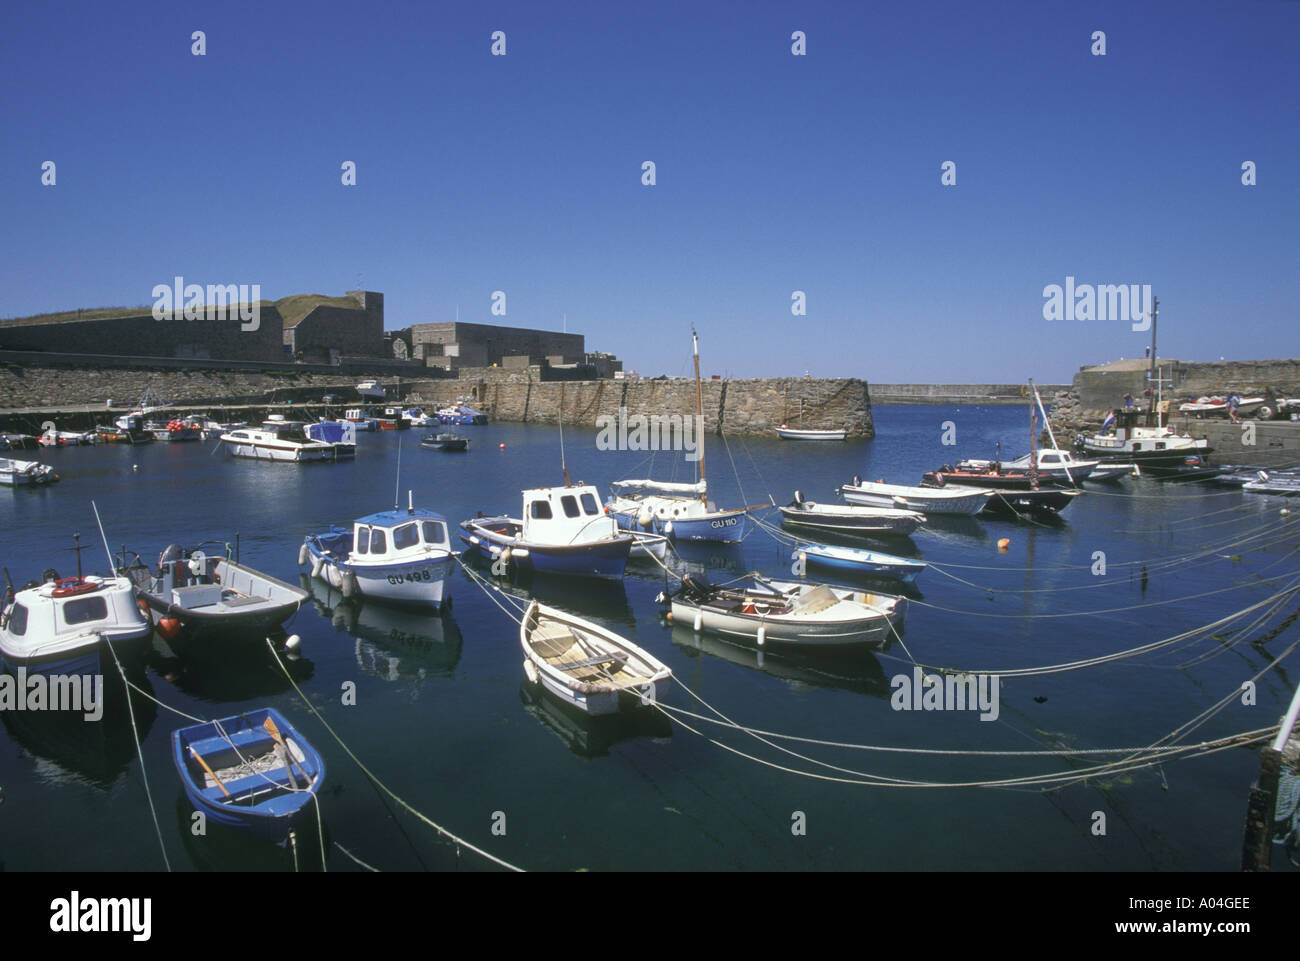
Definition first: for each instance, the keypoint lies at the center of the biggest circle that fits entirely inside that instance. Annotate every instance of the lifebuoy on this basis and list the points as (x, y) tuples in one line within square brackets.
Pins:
[(71, 586)]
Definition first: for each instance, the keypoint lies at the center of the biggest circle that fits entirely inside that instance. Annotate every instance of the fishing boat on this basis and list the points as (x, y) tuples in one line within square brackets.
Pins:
[(173, 430), (860, 561), (1054, 466), (563, 531), (127, 429), (447, 442), (397, 556), (277, 440), (951, 499), (66, 625), (253, 772), (361, 418), (678, 510), (850, 518), (25, 473), (584, 664), (393, 419), (417, 417), (1142, 437), (462, 415), (370, 390), (67, 438), (798, 433), (1285, 483), (214, 593), (788, 612)]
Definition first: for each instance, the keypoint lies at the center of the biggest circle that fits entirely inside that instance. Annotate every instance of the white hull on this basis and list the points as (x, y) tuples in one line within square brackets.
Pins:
[(948, 500), (788, 433)]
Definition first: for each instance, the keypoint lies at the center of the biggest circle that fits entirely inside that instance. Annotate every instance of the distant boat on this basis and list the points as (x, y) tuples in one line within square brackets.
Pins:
[(563, 531), (361, 417), (397, 556), (950, 499), (795, 433), (370, 390), (341, 435), (253, 772), (849, 518), (448, 442), (860, 561), (788, 612), (25, 473), (277, 440), (1286, 483), (584, 664), (1045, 500)]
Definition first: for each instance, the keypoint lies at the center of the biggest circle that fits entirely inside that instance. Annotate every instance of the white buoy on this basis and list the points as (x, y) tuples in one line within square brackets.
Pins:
[(292, 642), (135, 467)]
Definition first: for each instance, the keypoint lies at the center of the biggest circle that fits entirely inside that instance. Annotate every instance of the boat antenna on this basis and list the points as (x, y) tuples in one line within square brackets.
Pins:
[(397, 487), (699, 411), (563, 466), (76, 539)]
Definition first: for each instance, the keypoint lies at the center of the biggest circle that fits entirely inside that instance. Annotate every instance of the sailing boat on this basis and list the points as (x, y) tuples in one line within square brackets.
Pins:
[(680, 511)]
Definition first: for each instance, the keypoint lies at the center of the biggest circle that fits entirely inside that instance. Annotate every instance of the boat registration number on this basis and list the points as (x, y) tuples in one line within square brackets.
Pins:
[(726, 522), (411, 576)]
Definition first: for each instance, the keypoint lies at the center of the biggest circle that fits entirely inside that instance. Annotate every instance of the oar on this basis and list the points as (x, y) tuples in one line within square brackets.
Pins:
[(289, 760), (198, 757)]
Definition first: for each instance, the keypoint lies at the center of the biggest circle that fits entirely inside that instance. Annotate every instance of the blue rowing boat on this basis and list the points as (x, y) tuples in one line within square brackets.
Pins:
[(861, 561), (248, 774)]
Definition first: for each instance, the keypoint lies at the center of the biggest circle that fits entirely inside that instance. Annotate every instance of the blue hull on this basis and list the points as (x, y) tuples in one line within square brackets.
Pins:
[(607, 560), (726, 526), (904, 574), (259, 804)]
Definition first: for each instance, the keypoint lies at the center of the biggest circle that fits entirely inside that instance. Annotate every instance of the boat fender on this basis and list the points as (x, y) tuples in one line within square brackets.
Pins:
[(699, 616), (530, 672), (168, 627), (303, 554), (645, 517), (145, 609), (317, 566), (350, 586), (668, 528), (762, 635)]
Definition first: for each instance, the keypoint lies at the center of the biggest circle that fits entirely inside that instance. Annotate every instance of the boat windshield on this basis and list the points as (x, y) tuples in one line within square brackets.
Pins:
[(589, 504), (435, 532), (85, 609), (408, 535), (18, 620)]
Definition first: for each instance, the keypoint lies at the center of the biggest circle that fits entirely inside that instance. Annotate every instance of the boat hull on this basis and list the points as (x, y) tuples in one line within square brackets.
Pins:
[(848, 523), (420, 583), (604, 559), (876, 632), (861, 562), (916, 499), (787, 433)]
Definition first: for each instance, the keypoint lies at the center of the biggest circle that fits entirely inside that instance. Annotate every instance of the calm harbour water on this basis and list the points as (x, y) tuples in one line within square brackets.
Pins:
[(444, 717)]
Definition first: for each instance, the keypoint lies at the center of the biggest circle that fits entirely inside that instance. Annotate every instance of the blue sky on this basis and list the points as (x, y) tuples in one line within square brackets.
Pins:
[(775, 173)]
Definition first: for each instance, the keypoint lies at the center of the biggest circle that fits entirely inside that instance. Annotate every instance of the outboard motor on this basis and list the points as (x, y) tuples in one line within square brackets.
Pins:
[(857, 480), (695, 587), (798, 498)]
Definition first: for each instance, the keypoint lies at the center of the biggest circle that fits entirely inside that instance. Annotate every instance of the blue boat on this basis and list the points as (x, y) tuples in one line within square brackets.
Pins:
[(341, 434), (398, 556), (563, 531), (246, 774), (860, 561)]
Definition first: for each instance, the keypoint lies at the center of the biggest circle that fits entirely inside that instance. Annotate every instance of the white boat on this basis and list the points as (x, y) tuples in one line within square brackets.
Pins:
[(1148, 445), (370, 390), (397, 556), (418, 418), (645, 544), (1056, 466), (788, 612), (796, 433), (1285, 483), (850, 518), (67, 438), (584, 664), (861, 561), (25, 473), (679, 511), (62, 626), (1113, 472), (363, 419), (949, 499), (277, 440)]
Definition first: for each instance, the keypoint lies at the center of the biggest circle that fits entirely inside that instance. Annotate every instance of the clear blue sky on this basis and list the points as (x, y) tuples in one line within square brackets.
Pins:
[(819, 173)]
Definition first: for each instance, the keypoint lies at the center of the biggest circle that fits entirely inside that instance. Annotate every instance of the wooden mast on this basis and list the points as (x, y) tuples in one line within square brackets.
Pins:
[(699, 411)]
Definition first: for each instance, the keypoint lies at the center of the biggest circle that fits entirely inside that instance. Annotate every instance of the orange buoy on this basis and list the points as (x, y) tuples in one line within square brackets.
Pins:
[(168, 627), (1003, 544), (669, 617)]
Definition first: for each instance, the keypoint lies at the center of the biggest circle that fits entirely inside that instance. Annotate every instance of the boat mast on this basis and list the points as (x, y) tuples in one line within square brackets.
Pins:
[(563, 466), (699, 411), (1048, 423), (1033, 448)]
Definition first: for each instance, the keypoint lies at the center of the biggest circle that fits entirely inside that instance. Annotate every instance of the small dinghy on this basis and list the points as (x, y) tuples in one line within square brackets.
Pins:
[(447, 442), (646, 544), (861, 561), (849, 518), (810, 615), (799, 433), (583, 664), (254, 772)]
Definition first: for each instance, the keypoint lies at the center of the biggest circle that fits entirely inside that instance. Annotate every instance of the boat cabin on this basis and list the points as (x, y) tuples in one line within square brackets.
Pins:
[(566, 515), (396, 535), (70, 608)]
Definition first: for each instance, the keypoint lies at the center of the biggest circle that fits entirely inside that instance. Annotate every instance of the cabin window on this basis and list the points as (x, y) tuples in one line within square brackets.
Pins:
[(363, 540), (541, 511), (408, 535), (240, 434), (435, 532), (570, 505), (378, 542), (18, 620), (85, 609), (589, 504)]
